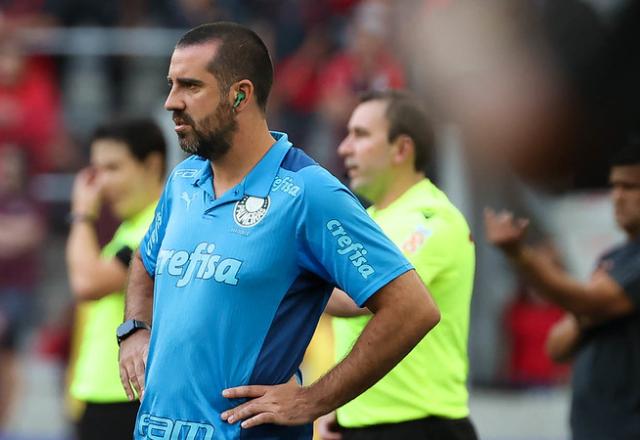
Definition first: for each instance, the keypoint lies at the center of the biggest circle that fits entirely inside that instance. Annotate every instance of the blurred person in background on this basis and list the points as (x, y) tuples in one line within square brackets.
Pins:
[(366, 63), (22, 230), (425, 396), (521, 79), (601, 331), (30, 110), (127, 172), (297, 85)]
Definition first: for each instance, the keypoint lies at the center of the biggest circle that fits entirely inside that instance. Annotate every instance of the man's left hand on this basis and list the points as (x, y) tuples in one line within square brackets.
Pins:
[(285, 404)]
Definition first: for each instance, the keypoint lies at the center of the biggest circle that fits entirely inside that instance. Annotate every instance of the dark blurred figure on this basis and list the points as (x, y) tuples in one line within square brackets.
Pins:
[(545, 86), (22, 230), (602, 327)]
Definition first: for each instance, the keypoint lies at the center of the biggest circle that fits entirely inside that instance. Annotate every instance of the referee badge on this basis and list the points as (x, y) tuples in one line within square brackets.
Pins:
[(249, 211)]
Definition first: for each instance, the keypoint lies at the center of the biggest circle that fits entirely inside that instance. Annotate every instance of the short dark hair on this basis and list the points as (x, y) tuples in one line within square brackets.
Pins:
[(629, 154), (142, 137), (406, 117), (241, 55)]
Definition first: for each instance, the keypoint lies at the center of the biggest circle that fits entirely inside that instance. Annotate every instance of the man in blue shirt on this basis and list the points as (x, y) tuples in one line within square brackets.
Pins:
[(249, 239)]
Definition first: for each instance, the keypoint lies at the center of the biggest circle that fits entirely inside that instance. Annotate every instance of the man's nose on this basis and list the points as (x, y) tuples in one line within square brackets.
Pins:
[(344, 148), (173, 101)]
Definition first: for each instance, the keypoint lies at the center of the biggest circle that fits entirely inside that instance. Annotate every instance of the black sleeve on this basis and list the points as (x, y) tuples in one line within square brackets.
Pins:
[(626, 272), (124, 255)]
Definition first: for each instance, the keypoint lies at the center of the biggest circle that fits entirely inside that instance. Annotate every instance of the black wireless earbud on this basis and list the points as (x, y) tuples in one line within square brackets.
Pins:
[(239, 98)]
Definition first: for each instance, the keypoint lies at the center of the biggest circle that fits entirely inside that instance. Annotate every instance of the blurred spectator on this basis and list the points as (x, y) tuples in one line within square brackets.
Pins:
[(292, 20), (366, 64), (296, 89), (602, 328), (528, 320), (21, 232), (30, 113), (128, 166)]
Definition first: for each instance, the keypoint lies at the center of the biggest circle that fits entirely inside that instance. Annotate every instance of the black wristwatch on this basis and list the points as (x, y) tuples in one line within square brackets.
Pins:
[(129, 327)]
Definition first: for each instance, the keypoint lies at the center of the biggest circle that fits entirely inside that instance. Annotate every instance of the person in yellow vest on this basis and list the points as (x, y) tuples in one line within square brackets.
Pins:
[(425, 396), (127, 173)]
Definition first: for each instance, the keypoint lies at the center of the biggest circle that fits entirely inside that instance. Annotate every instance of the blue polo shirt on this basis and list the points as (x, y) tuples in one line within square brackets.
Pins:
[(241, 281)]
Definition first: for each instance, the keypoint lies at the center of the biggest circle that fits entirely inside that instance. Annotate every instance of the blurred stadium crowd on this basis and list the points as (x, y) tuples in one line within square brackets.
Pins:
[(531, 99)]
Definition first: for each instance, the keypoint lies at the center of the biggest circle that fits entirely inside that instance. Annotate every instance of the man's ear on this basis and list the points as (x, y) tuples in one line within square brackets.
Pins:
[(404, 150), (241, 93)]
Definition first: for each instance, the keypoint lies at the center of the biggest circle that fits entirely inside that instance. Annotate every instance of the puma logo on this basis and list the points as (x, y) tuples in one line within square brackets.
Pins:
[(187, 200)]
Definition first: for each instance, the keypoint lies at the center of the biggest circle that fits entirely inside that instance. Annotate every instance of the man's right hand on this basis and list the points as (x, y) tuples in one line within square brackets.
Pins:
[(328, 427), (86, 195), (133, 362), (505, 231)]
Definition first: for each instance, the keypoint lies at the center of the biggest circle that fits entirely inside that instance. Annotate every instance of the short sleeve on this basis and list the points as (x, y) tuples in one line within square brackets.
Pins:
[(150, 244), (625, 270), (338, 241)]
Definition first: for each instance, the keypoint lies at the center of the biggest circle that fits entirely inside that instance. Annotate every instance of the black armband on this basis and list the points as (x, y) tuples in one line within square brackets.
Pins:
[(124, 255)]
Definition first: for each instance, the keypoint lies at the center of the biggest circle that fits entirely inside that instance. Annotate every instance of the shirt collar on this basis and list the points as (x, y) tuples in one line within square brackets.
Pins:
[(202, 175), (259, 180), (423, 190), (203, 171)]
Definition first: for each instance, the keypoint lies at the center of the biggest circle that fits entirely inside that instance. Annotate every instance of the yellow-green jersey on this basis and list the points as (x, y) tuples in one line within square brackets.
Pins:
[(96, 376), (431, 380)]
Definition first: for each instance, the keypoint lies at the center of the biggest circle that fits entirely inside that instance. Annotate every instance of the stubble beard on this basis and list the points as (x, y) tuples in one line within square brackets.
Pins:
[(215, 143)]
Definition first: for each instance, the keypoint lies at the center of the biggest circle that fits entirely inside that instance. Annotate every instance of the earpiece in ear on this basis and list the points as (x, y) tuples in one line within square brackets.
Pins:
[(239, 98)]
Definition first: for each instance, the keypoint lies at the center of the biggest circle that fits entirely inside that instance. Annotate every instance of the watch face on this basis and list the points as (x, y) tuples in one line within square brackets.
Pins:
[(128, 327), (125, 328)]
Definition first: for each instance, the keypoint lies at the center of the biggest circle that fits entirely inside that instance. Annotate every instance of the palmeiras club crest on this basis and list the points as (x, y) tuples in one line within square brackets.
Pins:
[(250, 210)]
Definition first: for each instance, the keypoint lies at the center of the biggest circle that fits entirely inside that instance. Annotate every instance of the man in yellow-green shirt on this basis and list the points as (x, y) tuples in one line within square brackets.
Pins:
[(425, 396), (127, 172)]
